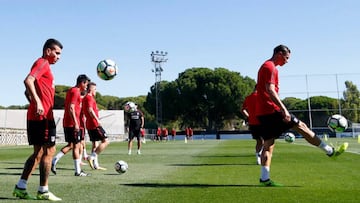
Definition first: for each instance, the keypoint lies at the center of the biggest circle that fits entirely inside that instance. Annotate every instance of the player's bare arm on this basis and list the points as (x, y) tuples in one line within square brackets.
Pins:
[(73, 116), (30, 93), (270, 88), (93, 115)]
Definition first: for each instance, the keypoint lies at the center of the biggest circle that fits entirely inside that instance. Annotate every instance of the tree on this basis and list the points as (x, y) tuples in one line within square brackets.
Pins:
[(203, 98), (321, 107), (351, 102), (60, 94)]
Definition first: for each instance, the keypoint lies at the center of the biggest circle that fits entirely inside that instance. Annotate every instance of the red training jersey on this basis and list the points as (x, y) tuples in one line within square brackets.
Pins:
[(90, 102), (250, 106), (45, 89), (72, 97), (268, 73)]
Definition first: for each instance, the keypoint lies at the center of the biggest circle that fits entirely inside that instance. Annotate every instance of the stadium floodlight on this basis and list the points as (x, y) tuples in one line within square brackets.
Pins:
[(158, 57)]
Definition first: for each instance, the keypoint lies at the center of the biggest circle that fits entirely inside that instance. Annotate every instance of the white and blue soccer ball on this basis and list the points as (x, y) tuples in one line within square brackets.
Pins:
[(130, 107), (337, 123), (121, 166), (289, 137), (107, 69)]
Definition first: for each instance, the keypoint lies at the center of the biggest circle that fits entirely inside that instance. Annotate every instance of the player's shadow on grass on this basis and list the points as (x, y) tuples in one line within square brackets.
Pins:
[(216, 156), (9, 199), (214, 164), (193, 185)]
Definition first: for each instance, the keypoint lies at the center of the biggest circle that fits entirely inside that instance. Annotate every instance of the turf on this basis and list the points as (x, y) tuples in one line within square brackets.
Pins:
[(199, 171)]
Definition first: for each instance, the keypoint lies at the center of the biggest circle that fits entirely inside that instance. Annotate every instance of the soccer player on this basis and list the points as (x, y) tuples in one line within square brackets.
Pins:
[(93, 126), (41, 128), (69, 146), (72, 121), (142, 133), (275, 118), (173, 133), (135, 121), (165, 134), (248, 110)]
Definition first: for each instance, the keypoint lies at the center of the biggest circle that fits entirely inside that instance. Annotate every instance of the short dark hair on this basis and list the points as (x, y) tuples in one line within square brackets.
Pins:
[(82, 78), (50, 43), (281, 48), (89, 85)]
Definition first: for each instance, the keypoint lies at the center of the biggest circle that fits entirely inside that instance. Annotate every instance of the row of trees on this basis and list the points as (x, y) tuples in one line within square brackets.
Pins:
[(211, 99)]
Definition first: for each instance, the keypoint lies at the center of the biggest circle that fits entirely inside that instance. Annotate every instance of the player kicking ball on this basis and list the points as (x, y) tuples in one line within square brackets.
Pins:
[(275, 118)]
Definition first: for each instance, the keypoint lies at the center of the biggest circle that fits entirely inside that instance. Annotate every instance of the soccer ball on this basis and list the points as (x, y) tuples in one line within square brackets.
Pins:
[(107, 69), (289, 137), (121, 166), (337, 123), (130, 107)]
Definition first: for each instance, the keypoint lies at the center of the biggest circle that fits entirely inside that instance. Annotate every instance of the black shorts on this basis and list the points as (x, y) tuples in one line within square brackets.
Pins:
[(41, 132), (256, 131), (72, 136), (134, 133), (97, 134), (273, 125)]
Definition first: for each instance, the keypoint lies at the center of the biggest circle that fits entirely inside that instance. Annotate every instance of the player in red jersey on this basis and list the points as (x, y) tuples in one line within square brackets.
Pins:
[(275, 118), (41, 128), (93, 126), (248, 110), (158, 134), (67, 148), (142, 133), (72, 121), (173, 133), (165, 134)]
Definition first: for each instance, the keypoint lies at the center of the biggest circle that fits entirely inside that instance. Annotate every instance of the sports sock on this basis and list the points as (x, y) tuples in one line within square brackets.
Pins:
[(85, 155), (22, 184), (265, 172), (58, 157), (43, 189), (77, 165), (96, 162), (326, 148)]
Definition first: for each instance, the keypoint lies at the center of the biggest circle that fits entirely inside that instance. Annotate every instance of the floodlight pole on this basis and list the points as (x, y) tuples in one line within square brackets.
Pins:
[(158, 57)]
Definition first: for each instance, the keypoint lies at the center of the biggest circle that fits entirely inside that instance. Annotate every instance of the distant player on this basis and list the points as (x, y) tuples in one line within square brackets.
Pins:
[(165, 134), (135, 121), (142, 133), (173, 134)]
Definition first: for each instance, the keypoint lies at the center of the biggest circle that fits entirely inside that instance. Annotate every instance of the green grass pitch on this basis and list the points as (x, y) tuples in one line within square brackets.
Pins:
[(197, 171)]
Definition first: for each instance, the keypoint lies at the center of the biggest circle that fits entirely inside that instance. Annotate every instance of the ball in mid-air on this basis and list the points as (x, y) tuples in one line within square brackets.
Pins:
[(130, 107), (337, 123), (121, 166), (289, 137), (107, 69)]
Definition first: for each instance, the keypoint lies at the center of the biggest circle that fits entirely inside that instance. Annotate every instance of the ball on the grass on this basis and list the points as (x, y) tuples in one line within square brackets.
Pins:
[(289, 137), (107, 69), (337, 123), (121, 166)]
